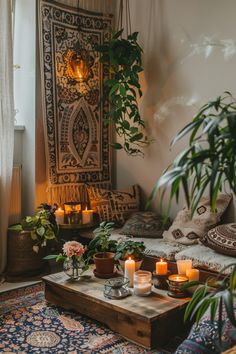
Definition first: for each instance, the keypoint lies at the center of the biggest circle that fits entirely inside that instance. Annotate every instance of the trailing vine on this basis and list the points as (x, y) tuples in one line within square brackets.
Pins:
[(121, 91)]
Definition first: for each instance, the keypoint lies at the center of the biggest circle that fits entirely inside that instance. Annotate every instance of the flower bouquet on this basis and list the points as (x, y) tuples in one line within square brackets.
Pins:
[(74, 263)]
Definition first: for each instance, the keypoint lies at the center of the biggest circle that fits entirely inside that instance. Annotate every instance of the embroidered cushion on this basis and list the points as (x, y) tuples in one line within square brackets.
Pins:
[(145, 224), (222, 239), (187, 231), (114, 205)]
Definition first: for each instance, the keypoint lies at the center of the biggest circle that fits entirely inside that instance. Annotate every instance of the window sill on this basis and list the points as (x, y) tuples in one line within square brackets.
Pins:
[(20, 128)]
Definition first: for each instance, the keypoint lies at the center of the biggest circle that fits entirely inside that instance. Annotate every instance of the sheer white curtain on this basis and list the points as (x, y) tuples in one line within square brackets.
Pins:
[(6, 122)]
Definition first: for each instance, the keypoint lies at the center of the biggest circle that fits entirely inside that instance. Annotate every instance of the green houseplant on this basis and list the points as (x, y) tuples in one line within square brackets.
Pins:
[(101, 249), (27, 243), (123, 58), (209, 160), (215, 296), (130, 248)]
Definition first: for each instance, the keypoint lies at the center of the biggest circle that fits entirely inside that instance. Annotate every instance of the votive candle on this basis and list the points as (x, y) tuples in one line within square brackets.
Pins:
[(59, 214), (87, 216)]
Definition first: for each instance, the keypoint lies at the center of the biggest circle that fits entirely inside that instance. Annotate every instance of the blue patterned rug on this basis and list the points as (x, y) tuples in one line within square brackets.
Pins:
[(29, 325)]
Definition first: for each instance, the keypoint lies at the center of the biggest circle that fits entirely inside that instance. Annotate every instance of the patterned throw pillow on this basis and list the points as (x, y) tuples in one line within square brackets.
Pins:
[(222, 239), (187, 231), (144, 224), (114, 205)]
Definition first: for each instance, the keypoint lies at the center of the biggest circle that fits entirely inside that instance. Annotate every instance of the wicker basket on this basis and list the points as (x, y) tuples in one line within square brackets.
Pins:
[(21, 259)]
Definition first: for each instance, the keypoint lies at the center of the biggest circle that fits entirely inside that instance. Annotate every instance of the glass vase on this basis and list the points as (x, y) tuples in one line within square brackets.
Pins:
[(73, 267)]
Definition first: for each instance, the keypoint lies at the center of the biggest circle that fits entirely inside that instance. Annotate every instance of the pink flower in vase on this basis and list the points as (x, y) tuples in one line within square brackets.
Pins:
[(73, 248)]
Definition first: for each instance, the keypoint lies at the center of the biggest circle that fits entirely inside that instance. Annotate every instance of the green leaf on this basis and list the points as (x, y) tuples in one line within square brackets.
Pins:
[(117, 146), (136, 137)]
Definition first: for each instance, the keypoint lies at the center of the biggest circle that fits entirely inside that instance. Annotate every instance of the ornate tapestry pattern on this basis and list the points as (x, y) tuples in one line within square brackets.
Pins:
[(77, 141)]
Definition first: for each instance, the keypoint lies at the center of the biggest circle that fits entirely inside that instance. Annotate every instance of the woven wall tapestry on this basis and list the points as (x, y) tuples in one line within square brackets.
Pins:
[(77, 142)]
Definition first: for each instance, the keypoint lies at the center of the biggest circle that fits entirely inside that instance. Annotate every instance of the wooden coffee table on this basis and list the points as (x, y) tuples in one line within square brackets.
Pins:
[(148, 321)]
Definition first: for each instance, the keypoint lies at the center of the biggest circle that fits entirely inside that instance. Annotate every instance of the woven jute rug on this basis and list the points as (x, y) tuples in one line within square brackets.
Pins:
[(77, 140), (30, 325)]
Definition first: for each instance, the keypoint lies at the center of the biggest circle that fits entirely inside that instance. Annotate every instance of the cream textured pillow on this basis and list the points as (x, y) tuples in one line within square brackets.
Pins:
[(187, 231), (114, 205)]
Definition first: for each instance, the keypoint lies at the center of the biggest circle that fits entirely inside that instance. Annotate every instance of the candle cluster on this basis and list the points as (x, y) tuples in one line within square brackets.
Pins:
[(185, 268), (75, 216)]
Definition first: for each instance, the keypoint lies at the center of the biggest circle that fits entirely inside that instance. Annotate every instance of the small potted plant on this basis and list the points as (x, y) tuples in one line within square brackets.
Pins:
[(27, 242), (102, 250), (130, 249)]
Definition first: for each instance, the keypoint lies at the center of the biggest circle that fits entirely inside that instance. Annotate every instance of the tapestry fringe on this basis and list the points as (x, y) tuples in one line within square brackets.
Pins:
[(71, 192)]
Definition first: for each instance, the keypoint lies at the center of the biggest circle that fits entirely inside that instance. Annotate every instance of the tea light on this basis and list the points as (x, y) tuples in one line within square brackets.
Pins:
[(192, 274), (129, 271), (87, 216), (183, 265), (161, 268), (142, 283), (59, 214), (176, 281)]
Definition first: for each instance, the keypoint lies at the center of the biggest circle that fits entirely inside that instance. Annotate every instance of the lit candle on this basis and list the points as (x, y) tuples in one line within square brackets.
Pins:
[(192, 274), (161, 268), (129, 271), (183, 265), (59, 214), (178, 278), (87, 216)]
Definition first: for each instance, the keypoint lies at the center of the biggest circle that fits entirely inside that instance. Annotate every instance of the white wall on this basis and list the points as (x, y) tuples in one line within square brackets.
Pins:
[(24, 87), (189, 56)]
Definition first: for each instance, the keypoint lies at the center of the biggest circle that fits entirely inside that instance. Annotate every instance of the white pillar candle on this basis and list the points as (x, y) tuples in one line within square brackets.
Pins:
[(142, 288), (129, 271), (183, 265), (59, 214), (87, 216), (192, 274)]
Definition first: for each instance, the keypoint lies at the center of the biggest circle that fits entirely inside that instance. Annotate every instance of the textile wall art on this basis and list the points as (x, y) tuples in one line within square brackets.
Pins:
[(77, 142)]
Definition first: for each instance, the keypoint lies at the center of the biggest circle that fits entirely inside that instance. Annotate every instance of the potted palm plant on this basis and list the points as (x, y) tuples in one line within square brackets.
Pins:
[(206, 165), (101, 249), (209, 160), (130, 249)]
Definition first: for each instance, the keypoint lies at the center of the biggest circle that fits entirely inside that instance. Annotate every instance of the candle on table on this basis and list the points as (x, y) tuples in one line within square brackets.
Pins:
[(161, 268), (87, 216), (142, 283), (183, 265), (129, 271), (59, 214), (192, 274), (178, 278)]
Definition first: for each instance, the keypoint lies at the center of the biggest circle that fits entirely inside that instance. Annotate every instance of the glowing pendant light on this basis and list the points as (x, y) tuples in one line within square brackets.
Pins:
[(78, 63)]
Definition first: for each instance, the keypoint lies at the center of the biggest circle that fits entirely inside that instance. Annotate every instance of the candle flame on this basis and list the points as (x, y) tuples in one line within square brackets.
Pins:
[(130, 259)]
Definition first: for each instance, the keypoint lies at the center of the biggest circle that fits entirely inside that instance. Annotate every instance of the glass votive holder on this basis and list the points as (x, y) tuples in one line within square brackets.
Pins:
[(176, 282), (73, 213), (142, 283), (183, 265)]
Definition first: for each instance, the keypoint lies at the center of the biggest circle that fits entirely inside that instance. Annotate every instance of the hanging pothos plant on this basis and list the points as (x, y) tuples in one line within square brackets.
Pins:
[(123, 56)]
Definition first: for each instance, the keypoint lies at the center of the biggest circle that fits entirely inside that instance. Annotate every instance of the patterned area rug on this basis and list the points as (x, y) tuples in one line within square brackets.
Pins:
[(29, 325)]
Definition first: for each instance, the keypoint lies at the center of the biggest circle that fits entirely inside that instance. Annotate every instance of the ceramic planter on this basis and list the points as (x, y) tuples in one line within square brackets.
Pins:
[(104, 262)]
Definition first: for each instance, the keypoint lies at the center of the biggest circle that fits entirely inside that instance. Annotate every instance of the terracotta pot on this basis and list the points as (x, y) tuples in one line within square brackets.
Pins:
[(137, 264), (104, 262)]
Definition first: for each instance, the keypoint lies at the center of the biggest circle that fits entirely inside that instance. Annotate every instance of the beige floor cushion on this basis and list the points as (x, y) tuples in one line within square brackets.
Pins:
[(154, 247), (205, 258)]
